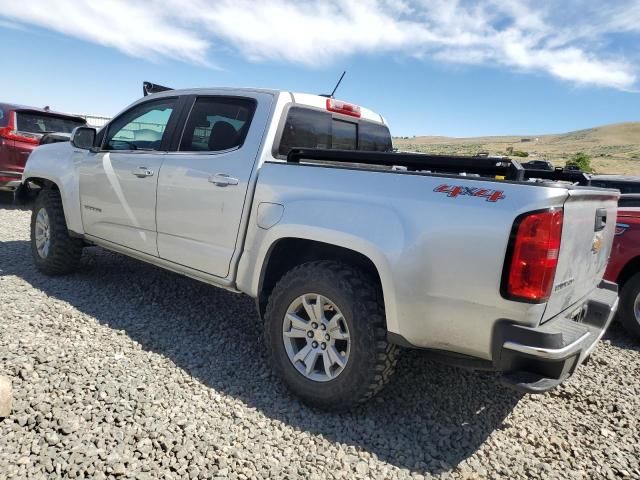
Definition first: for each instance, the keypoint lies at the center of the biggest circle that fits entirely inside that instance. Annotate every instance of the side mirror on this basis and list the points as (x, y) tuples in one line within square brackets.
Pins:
[(83, 137)]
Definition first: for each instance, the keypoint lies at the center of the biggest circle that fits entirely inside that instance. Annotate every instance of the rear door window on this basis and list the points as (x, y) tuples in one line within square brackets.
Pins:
[(217, 123), (309, 128), (34, 122)]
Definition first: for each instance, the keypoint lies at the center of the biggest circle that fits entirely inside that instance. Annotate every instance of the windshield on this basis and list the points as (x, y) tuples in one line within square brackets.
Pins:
[(307, 128), (33, 122)]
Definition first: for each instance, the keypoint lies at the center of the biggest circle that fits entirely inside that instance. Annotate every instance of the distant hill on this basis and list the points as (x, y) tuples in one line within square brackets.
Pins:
[(613, 148)]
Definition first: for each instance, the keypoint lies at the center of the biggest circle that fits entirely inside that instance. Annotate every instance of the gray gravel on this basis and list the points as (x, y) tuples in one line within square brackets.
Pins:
[(124, 370)]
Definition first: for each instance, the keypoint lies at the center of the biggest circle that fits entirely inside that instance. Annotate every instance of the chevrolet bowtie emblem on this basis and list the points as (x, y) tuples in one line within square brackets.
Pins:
[(596, 245)]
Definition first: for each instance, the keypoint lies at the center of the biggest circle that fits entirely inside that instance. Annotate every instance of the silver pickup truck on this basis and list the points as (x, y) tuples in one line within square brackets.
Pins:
[(351, 250)]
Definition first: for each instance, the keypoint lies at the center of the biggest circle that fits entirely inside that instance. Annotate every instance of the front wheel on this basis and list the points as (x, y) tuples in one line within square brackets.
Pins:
[(629, 313), (54, 251), (326, 335)]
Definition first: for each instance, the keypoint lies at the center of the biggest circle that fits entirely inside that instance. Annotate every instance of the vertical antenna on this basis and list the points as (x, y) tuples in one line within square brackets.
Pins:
[(338, 84), (336, 87)]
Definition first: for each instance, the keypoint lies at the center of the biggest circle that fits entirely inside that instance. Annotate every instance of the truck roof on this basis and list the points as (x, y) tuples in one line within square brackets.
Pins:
[(26, 108), (306, 99)]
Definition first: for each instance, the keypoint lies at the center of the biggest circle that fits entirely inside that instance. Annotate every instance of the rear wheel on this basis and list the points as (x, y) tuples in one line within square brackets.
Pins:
[(54, 251), (629, 313), (326, 335)]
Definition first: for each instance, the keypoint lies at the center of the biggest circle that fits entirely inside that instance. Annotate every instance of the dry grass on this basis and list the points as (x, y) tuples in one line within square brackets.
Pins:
[(613, 148)]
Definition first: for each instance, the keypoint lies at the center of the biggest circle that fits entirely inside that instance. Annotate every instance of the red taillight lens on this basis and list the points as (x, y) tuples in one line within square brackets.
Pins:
[(9, 134), (534, 256), (345, 108)]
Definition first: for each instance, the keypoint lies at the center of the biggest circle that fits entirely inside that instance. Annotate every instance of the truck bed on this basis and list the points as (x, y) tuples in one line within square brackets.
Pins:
[(439, 238)]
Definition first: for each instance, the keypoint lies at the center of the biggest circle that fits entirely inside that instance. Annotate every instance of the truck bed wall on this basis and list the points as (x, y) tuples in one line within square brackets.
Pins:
[(440, 258)]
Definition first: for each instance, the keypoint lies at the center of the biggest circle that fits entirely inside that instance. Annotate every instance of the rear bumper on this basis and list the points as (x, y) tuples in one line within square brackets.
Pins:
[(535, 360), (9, 181)]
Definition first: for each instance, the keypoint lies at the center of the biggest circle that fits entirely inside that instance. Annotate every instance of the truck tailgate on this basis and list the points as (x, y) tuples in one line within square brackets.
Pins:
[(587, 235)]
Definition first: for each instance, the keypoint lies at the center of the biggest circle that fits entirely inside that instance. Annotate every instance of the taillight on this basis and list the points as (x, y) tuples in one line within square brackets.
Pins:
[(532, 257), (10, 133), (345, 108)]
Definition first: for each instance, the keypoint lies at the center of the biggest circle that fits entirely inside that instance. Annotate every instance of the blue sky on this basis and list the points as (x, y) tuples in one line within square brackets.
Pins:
[(456, 68)]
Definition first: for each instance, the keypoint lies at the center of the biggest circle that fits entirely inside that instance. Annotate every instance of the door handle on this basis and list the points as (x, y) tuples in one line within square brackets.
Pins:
[(222, 180), (601, 219), (142, 172)]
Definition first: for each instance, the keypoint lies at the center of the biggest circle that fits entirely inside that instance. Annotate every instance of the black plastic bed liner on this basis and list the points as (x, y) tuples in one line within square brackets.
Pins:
[(502, 167)]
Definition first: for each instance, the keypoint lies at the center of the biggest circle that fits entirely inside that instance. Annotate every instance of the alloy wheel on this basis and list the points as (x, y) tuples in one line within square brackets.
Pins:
[(316, 337)]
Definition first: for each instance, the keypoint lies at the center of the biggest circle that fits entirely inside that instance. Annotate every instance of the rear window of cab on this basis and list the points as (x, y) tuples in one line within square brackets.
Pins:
[(36, 122), (309, 128)]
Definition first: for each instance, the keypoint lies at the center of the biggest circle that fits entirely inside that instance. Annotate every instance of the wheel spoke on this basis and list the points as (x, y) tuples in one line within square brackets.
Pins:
[(318, 308), (333, 323), (310, 361), (302, 354), (295, 333), (40, 241), (308, 308), (339, 335), (336, 357), (326, 361), (297, 322)]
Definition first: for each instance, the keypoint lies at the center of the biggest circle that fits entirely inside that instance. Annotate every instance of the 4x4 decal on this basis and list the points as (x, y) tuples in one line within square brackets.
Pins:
[(456, 190)]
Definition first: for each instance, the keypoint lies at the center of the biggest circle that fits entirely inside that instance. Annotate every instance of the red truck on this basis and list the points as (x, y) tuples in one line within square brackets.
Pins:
[(21, 130), (624, 263)]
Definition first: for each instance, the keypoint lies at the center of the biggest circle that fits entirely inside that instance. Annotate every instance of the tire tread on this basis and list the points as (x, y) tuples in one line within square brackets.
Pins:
[(630, 291), (367, 297), (64, 250)]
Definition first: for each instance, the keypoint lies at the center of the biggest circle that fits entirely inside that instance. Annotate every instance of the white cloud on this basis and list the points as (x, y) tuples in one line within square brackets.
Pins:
[(134, 27), (571, 41)]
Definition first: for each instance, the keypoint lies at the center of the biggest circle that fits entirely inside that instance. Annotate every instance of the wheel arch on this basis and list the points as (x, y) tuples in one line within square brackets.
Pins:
[(55, 166), (70, 209), (631, 268), (289, 252), (41, 182)]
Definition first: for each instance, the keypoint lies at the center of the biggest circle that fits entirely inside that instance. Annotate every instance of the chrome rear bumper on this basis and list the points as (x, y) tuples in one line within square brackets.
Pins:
[(535, 360)]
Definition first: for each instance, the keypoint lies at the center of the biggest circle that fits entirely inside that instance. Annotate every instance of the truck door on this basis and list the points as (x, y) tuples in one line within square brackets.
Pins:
[(118, 184), (203, 184)]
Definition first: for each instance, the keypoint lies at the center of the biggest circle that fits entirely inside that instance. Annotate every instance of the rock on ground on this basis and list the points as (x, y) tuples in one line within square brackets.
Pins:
[(6, 396), (123, 370)]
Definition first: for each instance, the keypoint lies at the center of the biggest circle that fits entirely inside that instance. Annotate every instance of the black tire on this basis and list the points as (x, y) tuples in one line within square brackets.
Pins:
[(371, 360), (628, 297), (64, 251)]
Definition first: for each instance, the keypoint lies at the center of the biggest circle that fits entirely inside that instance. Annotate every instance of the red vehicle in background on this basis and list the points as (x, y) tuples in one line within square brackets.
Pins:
[(624, 263), (21, 129)]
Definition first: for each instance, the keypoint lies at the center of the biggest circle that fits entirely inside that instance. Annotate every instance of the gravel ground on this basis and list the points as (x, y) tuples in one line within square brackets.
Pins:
[(125, 370)]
